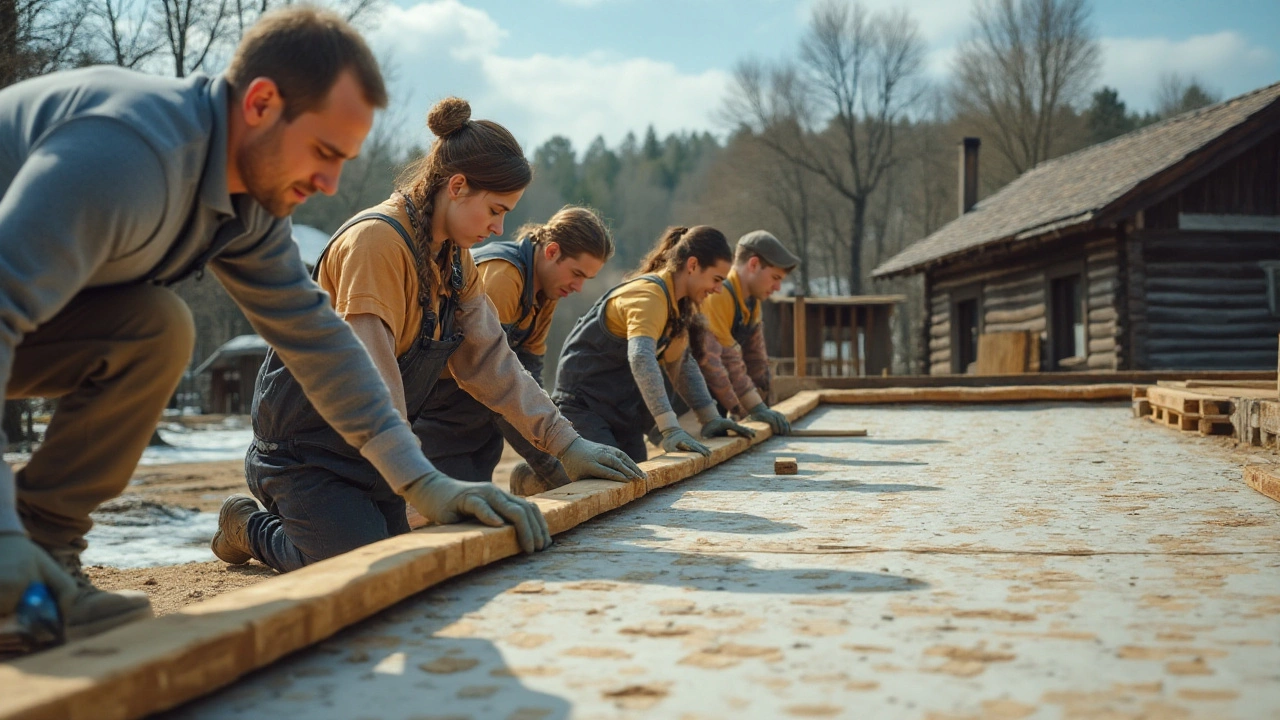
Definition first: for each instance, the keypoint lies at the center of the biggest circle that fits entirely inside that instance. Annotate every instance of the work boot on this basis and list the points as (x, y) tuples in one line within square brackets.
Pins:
[(93, 611), (231, 542), (525, 482)]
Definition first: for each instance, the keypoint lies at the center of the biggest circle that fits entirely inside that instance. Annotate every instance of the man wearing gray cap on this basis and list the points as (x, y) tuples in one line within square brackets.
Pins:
[(733, 357)]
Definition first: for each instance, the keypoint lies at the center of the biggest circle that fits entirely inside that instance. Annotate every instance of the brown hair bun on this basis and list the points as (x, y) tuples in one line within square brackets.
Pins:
[(448, 116)]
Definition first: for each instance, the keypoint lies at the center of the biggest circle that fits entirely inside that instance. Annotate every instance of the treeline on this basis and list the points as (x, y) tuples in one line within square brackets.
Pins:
[(844, 148)]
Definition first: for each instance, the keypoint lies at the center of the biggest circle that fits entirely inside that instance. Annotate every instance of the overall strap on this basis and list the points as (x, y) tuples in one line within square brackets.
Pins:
[(739, 322), (665, 341), (404, 235)]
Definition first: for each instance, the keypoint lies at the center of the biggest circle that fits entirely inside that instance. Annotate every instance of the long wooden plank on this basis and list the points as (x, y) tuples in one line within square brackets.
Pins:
[(1063, 393), (1231, 384), (785, 386), (826, 432), (1265, 480), (157, 664)]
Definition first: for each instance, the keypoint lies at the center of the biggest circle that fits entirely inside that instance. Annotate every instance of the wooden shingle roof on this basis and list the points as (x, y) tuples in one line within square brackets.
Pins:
[(1077, 190)]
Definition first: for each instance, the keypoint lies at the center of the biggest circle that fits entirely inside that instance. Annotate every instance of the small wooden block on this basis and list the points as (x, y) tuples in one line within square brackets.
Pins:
[(785, 466)]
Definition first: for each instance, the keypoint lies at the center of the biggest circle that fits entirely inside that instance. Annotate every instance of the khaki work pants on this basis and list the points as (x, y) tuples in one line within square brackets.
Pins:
[(113, 358)]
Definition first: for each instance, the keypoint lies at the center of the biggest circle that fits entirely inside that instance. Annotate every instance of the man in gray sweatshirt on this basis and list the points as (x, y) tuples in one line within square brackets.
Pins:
[(114, 185)]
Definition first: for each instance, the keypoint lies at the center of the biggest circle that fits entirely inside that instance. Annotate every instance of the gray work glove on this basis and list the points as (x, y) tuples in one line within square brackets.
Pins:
[(441, 499), (675, 439), (774, 419), (586, 459), (22, 562), (721, 426)]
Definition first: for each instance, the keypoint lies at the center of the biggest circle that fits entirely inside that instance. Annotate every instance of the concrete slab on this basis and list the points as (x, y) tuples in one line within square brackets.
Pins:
[(1035, 560)]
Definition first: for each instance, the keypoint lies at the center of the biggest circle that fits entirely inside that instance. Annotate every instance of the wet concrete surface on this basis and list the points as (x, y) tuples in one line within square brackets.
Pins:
[(1042, 561)]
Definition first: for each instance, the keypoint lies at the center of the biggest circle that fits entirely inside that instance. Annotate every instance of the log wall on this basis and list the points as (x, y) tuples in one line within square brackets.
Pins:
[(1013, 297), (1205, 300)]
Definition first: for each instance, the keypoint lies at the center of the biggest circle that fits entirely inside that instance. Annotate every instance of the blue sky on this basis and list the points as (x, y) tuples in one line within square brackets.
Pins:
[(583, 68)]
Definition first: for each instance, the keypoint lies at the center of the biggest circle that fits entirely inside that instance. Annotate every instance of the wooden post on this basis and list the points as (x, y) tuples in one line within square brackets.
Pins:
[(839, 310), (853, 335), (801, 352)]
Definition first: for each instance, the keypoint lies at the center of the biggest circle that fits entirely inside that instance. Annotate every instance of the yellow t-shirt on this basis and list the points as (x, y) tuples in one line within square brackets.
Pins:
[(640, 309), (718, 309), (370, 270), (504, 284)]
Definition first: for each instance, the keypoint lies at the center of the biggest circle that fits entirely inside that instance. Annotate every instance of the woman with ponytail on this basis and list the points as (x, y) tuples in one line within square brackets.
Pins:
[(609, 382), (524, 279), (401, 274)]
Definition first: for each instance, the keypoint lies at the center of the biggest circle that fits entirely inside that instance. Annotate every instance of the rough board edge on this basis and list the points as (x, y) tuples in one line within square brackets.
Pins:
[(1025, 393), (157, 664), (1265, 480)]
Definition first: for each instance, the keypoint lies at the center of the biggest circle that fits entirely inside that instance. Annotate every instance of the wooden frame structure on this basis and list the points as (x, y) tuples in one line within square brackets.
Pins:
[(858, 327)]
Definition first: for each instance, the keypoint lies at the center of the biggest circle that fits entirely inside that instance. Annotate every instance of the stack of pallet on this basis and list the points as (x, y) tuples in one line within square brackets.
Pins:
[(1248, 410)]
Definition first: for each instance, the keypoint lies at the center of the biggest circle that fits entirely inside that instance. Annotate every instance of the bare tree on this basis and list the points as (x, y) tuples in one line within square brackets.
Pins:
[(199, 33), (837, 114), (123, 29), (1026, 62), (1177, 94), (191, 30), (38, 36)]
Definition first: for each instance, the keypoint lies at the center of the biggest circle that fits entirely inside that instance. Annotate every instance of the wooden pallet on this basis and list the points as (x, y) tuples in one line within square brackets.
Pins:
[(1188, 410), (1209, 408)]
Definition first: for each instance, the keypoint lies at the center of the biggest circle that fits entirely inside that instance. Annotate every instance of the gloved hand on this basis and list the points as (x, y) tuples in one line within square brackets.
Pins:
[(675, 438), (722, 426), (586, 459), (441, 499), (774, 419), (22, 562)]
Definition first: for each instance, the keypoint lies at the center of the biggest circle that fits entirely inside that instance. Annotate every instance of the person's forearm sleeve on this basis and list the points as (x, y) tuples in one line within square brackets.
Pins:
[(642, 355), (756, 357), (687, 380), (531, 362), (84, 191), (746, 392), (487, 369), (714, 372), (270, 284)]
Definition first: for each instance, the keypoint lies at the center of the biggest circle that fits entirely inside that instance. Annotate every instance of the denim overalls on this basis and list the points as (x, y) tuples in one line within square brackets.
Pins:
[(459, 434), (322, 497), (595, 389), (740, 330)]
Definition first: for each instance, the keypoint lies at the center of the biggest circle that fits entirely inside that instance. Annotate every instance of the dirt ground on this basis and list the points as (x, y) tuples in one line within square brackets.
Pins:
[(200, 486)]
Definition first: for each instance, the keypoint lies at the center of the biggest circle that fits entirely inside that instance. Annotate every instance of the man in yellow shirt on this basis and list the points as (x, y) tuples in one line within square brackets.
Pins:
[(732, 354)]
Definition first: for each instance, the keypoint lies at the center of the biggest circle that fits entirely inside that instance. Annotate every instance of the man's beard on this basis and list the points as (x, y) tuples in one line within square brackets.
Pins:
[(260, 171)]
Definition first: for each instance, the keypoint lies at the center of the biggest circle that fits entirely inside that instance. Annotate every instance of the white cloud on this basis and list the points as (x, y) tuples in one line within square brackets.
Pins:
[(1223, 61), (442, 47)]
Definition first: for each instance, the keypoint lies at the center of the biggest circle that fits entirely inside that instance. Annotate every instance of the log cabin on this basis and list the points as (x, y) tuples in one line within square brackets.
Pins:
[(1156, 250)]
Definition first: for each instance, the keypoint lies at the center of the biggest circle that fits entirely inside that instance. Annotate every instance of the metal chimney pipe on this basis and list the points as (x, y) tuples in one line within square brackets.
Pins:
[(969, 173)]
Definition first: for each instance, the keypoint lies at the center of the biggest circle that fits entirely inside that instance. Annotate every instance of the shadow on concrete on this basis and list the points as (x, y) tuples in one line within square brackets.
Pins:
[(723, 521), (891, 441), (380, 668)]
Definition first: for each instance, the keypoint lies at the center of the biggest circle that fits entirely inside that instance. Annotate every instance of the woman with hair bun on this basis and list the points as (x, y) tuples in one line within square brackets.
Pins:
[(524, 278), (609, 382), (402, 275)]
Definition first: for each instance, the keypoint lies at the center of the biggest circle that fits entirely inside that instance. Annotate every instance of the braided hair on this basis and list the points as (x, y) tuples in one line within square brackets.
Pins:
[(482, 151)]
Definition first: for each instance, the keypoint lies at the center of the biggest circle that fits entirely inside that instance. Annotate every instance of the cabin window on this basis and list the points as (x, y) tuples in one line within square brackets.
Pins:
[(965, 320), (1066, 324)]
